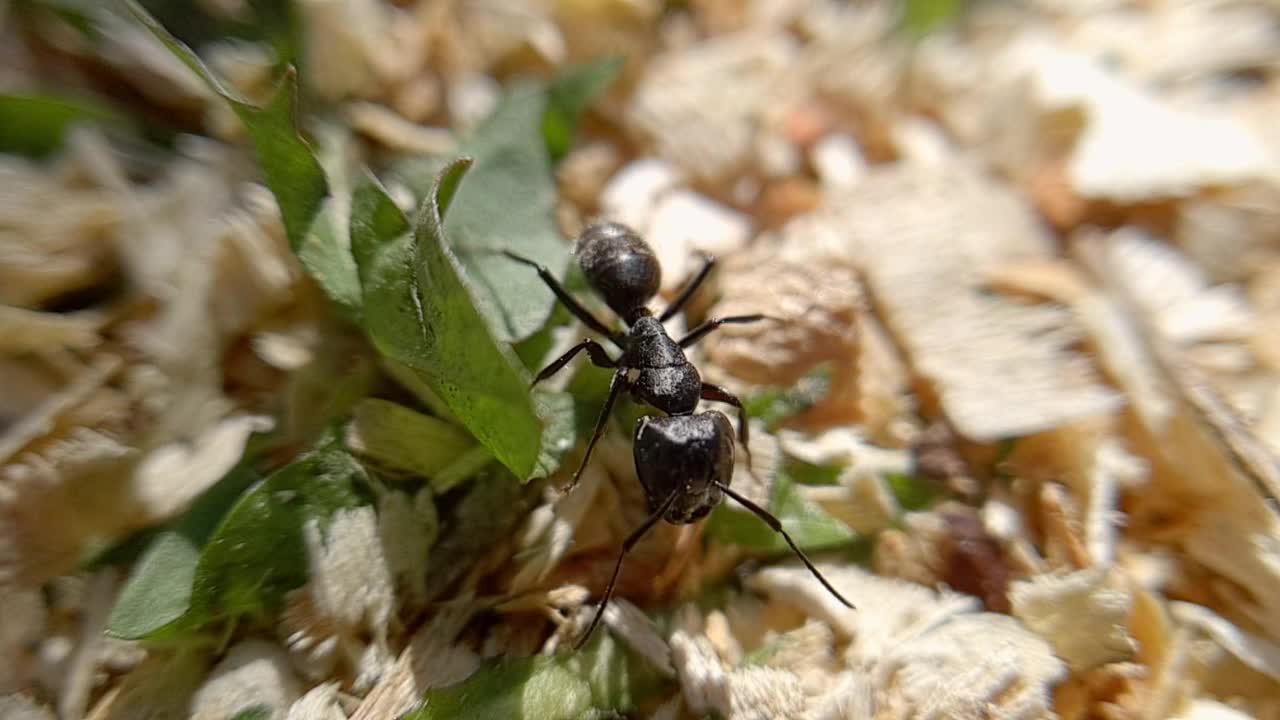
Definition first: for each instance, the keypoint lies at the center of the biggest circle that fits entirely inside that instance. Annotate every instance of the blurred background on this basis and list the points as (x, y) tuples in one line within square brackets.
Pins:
[(1023, 401)]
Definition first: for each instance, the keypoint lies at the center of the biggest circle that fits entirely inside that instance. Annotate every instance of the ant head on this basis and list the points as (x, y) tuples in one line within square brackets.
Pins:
[(685, 455), (621, 266)]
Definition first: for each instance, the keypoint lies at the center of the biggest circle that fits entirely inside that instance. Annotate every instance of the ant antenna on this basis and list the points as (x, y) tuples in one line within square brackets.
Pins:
[(629, 543), (776, 524)]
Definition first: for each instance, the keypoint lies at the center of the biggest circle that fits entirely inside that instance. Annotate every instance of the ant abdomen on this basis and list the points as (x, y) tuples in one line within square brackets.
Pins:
[(621, 266), (690, 456)]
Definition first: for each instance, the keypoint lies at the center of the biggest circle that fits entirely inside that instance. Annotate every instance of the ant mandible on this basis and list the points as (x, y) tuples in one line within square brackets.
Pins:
[(685, 459)]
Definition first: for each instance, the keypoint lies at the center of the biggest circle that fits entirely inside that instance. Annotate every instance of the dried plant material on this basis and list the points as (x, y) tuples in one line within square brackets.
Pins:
[(762, 693), (43, 254), (25, 615), (162, 686), (684, 223), (432, 659), (1174, 294), (1152, 629), (253, 673), (1133, 146), (57, 501), (1000, 368), (1257, 652), (407, 528), (971, 560), (1170, 682), (1199, 449), (1084, 620), (638, 631), (356, 48), (586, 170), (702, 678), (845, 446), (720, 633), (898, 554), (838, 161), (634, 191), (73, 700), (699, 107), (1182, 42), (54, 412), (1210, 710), (23, 331), (853, 58), (1113, 468), (1230, 234), (936, 454), (851, 695), (948, 547), (17, 707), (1063, 529), (808, 651), (862, 500), (320, 703), (888, 610), (549, 532), (351, 587), (199, 463), (971, 666), (815, 297), (383, 125), (1110, 689)]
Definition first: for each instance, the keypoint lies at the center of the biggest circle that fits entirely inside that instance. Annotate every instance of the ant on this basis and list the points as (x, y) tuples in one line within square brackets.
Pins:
[(684, 459)]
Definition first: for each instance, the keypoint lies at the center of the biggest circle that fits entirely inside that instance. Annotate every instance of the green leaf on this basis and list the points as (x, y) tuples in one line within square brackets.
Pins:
[(808, 524), (256, 712), (316, 229), (509, 199), (913, 493), (777, 405), (806, 473), (325, 250), (593, 683), (419, 311), (921, 17), (158, 590), (569, 96), (34, 125), (509, 203), (293, 173), (403, 439), (196, 574), (559, 409), (259, 552)]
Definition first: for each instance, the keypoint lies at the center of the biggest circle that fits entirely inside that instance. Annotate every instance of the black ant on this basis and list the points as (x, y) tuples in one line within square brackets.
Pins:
[(685, 459)]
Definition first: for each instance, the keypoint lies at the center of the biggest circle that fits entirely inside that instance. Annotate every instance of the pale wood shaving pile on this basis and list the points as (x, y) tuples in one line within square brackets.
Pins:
[(1039, 251)]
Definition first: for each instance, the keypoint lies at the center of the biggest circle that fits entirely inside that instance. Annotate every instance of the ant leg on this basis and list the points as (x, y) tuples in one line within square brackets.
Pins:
[(719, 394), (627, 544), (578, 311), (688, 290), (701, 331), (774, 523), (598, 357), (616, 387)]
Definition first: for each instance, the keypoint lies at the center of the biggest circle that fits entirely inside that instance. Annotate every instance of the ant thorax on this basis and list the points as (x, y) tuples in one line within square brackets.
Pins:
[(665, 378)]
